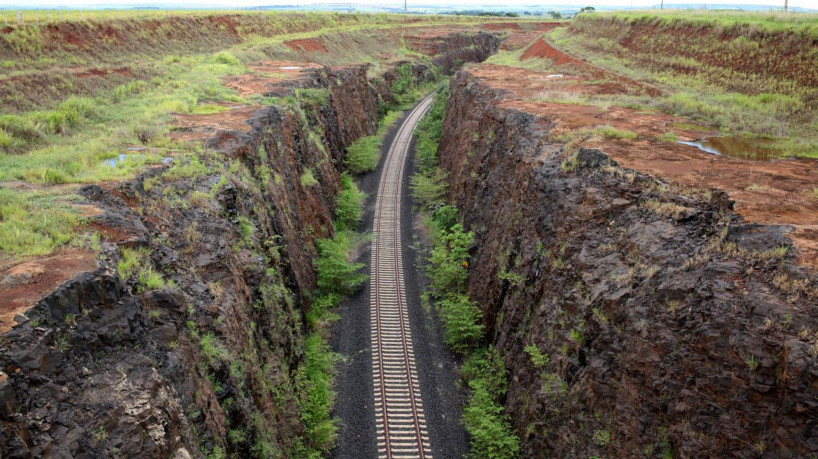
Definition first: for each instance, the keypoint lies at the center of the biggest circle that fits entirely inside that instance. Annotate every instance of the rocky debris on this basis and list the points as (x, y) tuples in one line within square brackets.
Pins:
[(207, 360), (673, 328)]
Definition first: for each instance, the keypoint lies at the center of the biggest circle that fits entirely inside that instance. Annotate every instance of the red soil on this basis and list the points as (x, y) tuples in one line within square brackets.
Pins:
[(201, 127), (22, 285), (542, 49), (266, 75), (308, 45)]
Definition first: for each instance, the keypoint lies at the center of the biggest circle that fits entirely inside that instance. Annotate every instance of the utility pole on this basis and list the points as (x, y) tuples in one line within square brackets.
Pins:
[(405, 8), (785, 5)]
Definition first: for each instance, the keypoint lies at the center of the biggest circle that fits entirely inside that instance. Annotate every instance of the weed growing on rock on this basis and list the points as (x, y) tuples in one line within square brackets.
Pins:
[(135, 262), (538, 358), (308, 179)]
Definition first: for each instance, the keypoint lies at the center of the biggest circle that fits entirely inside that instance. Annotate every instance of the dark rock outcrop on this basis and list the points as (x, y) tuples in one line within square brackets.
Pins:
[(673, 328)]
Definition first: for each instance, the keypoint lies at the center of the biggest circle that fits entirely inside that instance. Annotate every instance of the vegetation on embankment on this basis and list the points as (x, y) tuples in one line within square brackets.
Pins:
[(112, 133), (742, 73), (483, 370), (763, 21)]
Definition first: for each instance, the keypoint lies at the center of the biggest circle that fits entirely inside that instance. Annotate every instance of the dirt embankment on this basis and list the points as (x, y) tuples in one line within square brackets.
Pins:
[(672, 326), (210, 362)]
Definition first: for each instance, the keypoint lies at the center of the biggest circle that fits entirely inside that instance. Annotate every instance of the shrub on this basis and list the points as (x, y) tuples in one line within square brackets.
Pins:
[(336, 274), (430, 189), (315, 381), (348, 211), (362, 155), (461, 327), (448, 261), (483, 417), (226, 58)]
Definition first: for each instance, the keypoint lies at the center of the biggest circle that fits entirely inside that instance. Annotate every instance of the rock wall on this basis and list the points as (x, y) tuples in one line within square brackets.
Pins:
[(208, 364), (673, 329)]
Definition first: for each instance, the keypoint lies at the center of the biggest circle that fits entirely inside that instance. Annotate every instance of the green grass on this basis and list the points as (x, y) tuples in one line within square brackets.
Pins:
[(800, 23), (314, 96), (35, 222), (136, 262)]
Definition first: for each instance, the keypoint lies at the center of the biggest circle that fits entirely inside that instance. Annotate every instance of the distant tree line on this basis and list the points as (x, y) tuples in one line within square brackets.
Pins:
[(507, 14)]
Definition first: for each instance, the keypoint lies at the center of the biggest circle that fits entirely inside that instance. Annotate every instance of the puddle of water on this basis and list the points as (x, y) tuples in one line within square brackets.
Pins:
[(289, 67), (114, 162), (756, 149), (122, 157), (556, 75)]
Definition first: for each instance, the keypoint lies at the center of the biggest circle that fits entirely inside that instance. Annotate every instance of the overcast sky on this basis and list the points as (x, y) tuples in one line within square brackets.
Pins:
[(458, 3)]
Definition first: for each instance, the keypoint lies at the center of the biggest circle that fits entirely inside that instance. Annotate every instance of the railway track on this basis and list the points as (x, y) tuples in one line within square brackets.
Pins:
[(400, 423)]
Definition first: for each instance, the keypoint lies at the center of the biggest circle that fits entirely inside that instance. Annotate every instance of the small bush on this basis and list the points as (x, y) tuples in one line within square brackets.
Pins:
[(461, 317), (226, 58), (362, 155), (336, 274), (538, 358), (315, 381), (448, 261), (483, 417), (430, 189), (213, 350), (348, 211)]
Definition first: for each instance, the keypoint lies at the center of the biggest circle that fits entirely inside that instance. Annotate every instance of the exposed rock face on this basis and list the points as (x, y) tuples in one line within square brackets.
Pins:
[(101, 368), (672, 327)]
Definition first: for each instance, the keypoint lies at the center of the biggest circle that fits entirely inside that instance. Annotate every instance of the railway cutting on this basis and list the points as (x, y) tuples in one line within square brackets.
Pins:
[(400, 422)]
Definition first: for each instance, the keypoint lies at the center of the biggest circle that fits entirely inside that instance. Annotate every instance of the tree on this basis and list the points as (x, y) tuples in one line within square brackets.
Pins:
[(555, 14), (587, 9)]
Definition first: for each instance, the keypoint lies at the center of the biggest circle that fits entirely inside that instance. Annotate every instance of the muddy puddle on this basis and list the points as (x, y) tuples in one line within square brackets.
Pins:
[(755, 149)]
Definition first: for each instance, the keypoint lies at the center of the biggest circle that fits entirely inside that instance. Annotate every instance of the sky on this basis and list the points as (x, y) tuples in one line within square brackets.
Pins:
[(455, 3)]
